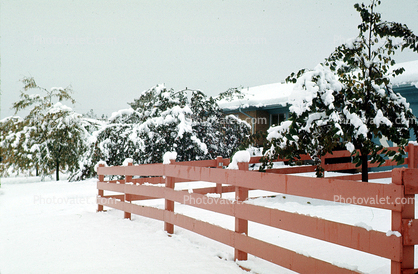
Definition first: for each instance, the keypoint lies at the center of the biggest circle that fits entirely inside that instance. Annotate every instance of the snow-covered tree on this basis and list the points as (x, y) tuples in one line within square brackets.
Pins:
[(163, 120), (159, 121), (154, 101), (51, 137), (62, 140), (348, 100)]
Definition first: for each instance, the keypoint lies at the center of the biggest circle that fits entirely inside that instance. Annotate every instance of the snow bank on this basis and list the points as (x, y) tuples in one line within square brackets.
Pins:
[(39, 219), (53, 227)]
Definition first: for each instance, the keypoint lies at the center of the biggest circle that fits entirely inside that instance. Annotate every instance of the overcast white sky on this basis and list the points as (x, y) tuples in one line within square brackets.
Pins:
[(109, 51)]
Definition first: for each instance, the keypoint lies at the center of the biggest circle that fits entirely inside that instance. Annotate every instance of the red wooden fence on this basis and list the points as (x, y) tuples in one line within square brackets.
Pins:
[(400, 250)]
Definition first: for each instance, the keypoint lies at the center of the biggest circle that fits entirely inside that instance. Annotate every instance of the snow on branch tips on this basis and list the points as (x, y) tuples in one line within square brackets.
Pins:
[(321, 83)]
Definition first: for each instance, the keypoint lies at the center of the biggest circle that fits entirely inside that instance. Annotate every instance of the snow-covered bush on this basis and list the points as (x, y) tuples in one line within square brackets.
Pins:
[(162, 120)]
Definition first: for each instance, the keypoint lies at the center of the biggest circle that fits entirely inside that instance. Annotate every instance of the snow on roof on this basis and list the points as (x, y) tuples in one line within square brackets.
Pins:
[(260, 96), (409, 76), (278, 93)]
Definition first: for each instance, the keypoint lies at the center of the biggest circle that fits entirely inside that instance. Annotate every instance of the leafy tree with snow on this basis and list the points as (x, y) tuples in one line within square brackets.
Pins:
[(62, 140), (14, 145), (349, 99), (51, 137)]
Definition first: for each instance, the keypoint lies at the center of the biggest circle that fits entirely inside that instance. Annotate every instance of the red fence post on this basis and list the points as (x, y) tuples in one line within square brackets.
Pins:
[(411, 156), (241, 225), (169, 205), (127, 198), (100, 191), (408, 212), (219, 164)]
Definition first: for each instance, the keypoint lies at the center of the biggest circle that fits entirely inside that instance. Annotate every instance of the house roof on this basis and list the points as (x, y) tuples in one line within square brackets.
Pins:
[(277, 94), (410, 75), (259, 97)]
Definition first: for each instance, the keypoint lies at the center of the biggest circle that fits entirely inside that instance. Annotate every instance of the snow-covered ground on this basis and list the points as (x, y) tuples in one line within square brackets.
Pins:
[(53, 227)]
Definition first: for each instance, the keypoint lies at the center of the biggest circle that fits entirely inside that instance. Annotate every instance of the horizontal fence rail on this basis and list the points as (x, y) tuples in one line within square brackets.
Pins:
[(157, 181)]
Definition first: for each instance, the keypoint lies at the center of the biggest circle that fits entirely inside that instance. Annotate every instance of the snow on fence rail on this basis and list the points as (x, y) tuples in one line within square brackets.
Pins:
[(397, 246)]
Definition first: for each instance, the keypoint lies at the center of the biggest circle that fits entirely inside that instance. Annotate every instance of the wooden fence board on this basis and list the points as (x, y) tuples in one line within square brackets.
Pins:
[(150, 180), (373, 242), (286, 258), (317, 188), (372, 175)]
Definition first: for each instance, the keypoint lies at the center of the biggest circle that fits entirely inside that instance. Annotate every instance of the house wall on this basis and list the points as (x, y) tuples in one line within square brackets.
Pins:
[(410, 92), (263, 120), (260, 119)]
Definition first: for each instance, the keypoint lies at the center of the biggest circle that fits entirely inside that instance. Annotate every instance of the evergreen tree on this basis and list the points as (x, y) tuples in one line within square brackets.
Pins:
[(349, 99), (235, 135), (231, 94)]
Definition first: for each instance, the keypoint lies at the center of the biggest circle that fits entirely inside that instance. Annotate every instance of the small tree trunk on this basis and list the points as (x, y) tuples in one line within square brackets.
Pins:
[(57, 171), (364, 167)]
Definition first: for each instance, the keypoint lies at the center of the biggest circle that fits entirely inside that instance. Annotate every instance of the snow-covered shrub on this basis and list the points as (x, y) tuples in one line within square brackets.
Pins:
[(162, 120)]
